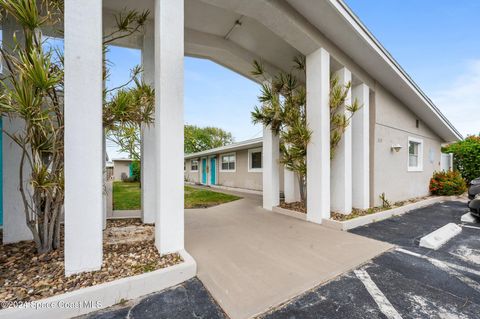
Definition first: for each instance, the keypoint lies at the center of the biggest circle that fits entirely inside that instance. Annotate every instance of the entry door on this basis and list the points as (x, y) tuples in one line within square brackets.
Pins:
[(204, 171), (213, 170)]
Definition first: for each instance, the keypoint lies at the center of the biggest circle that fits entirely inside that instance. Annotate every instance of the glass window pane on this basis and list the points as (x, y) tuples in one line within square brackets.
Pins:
[(413, 161), (225, 166), (256, 160)]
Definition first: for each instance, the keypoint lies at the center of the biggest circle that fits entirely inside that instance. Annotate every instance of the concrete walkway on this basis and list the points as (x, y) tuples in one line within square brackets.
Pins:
[(251, 260)]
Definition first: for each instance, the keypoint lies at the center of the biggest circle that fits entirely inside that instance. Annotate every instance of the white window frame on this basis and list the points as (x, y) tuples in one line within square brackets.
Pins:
[(191, 170), (234, 160), (419, 167), (249, 162)]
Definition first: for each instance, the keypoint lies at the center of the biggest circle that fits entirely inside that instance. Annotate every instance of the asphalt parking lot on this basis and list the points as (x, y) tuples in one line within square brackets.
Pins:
[(407, 282)]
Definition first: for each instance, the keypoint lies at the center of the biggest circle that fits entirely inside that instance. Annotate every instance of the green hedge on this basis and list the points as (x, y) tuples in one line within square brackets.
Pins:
[(466, 157), (447, 183), (136, 173)]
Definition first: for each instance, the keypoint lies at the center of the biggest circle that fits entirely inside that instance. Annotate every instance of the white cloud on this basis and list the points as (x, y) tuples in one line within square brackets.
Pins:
[(460, 101)]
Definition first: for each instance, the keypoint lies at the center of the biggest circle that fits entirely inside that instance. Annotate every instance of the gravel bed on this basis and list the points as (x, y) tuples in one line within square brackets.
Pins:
[(128, 249)]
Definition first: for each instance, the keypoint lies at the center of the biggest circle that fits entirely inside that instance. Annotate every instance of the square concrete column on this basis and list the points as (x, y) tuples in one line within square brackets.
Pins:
[(270, 169), (361, 148), (291, 189), (169, 54), (341, 165), (148, 132), (14, 226), (318, 150), (83, 136)]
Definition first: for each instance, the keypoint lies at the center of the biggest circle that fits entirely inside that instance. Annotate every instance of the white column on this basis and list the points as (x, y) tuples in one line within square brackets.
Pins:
[(291, 189), (318, 151), (361, 149), (83, 136), (169, 52), (104, 179), (270, 169), (148, 132), (14, 226), (341, 164)]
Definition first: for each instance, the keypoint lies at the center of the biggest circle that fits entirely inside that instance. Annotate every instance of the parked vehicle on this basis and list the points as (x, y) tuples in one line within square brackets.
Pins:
[(474, 196), (474, 188)]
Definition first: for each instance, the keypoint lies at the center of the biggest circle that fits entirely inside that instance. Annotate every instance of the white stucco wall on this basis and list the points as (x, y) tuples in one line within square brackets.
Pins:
[(191, 176), (394, 124), (120, 167), (240, 178)]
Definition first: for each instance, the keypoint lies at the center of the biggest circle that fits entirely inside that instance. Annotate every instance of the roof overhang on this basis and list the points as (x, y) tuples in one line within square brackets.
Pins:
[(305, 26), (338, 23), (257, 142)]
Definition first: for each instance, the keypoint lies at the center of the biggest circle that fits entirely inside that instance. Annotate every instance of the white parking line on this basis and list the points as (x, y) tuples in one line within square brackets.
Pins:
[(448, 267), (383, 303), (469, 226)]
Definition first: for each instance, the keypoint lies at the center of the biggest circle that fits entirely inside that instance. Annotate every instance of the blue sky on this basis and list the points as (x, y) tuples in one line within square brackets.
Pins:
[(436, 41)]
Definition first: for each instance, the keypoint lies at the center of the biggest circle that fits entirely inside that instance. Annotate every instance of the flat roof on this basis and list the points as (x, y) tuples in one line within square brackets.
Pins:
[(228, 148)]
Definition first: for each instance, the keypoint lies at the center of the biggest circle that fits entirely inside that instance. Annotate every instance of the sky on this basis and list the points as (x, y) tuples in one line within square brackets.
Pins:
[(436, 41)]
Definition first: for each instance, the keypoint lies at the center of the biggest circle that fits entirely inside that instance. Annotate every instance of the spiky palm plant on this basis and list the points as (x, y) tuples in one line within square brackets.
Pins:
[(32, 92), (284, 109)]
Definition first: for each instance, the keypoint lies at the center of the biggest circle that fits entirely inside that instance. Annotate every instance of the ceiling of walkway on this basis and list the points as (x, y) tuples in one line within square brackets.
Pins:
[(221, 29)]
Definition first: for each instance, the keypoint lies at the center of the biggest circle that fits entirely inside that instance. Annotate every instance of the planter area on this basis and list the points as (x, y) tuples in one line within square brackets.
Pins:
[(128, 249), (363, 217), (384, 214)]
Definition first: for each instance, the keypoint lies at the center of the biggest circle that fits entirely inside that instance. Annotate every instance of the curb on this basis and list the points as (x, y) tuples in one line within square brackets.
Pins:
[(85, 300), (372, 218)]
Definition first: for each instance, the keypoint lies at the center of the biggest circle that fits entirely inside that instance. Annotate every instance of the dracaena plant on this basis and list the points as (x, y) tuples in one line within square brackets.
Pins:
[(32, 94), (284, 109)]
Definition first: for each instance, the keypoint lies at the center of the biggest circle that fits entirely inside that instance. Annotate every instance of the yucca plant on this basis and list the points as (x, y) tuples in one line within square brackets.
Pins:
[(32, 93), (284, 109)]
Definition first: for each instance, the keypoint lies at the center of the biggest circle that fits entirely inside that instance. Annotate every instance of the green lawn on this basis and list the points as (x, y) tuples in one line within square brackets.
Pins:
[(127, 196), (195, 197)]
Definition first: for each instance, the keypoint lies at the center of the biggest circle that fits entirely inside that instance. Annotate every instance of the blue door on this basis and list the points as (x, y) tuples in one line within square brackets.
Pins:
[(213, 170), (204, 171)]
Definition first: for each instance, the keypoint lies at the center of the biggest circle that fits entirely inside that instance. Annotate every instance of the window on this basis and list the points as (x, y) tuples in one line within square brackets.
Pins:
[(255, 160), (194, 165), (415, 154), (228, 163)]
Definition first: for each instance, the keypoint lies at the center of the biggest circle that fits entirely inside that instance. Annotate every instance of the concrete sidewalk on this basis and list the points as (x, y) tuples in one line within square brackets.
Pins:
[(251, 259)]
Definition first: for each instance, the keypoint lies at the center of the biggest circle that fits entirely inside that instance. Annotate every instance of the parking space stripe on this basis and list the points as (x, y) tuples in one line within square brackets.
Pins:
[(470, 226), (441, 264), (383, 303)]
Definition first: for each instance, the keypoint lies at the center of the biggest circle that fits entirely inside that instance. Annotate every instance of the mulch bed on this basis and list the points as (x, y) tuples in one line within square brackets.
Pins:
[(26, 276), (300, 207), (296, 206), (363, 212)]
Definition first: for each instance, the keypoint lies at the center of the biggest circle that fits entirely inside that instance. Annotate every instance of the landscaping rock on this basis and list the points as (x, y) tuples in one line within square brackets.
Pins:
[(128, 250)]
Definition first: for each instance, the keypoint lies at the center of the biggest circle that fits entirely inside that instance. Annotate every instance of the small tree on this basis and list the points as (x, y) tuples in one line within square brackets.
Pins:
[(127, 113), (284, 110), (199, 139), (466, 157), (33, 94)]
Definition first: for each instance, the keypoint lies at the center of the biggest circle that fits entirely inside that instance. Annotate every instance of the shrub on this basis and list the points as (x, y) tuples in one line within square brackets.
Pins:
[(447, 183), (136, 173), (466, 157)]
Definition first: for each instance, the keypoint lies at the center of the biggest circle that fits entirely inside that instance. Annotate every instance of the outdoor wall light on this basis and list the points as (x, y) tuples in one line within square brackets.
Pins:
[(396, 147)]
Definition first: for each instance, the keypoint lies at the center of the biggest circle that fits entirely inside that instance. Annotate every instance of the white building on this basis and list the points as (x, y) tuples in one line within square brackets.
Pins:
[(396, 114)]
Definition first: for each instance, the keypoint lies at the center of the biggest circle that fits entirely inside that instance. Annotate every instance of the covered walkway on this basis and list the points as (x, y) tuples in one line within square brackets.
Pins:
[(251, 259)]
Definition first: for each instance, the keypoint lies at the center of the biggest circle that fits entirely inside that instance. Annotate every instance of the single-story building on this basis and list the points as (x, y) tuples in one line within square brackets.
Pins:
[(392, 146), (122, 168), (238, 165)]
